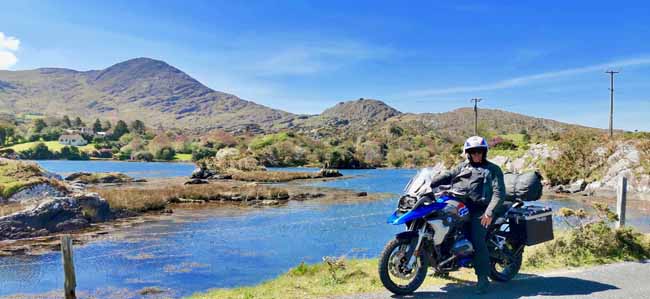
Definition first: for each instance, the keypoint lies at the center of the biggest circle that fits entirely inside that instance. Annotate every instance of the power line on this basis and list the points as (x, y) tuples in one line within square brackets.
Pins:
[(611, 103), (476, 100)]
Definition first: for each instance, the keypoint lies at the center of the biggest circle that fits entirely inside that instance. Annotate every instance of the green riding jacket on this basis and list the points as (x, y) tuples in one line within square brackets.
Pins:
[(482, 184)]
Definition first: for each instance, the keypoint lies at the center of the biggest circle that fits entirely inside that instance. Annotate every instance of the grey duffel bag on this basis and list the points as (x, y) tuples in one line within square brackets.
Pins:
[(526, 186)]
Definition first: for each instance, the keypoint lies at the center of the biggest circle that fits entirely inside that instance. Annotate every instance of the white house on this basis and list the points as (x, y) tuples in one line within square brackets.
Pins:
[(72, 139)]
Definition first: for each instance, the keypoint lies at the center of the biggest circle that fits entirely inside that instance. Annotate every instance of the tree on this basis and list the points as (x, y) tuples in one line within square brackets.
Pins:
[(120, 129), (106, 125), (78, 122), (66, 121), (165, 153), (39, 125), (97, 126), (137, 126), (6, 132)]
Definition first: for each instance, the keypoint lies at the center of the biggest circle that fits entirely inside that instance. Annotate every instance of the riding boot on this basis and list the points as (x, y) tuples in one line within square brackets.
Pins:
[(482, 285)]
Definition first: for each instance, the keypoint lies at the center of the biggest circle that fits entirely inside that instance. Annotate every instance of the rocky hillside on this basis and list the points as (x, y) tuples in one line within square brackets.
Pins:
[(141, 88), (460, 122), (362, 111)]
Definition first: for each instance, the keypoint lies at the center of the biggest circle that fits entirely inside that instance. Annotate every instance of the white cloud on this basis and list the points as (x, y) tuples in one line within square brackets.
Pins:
[(8, 45), (9, 42), (7, 59), (523, 80)]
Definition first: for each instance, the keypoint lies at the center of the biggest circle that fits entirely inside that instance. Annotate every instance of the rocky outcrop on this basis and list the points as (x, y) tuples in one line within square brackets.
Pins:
[(36, 193), (625, 159), (529, 161), (329, 173), (99, 178), (55, 214)]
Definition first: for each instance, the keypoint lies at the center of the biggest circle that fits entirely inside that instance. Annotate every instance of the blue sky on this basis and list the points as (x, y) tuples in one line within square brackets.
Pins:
[(540, 58)]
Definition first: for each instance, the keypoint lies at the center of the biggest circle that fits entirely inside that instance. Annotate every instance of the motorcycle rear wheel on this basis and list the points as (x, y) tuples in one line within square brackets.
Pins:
[(507, 266), (387, 267)]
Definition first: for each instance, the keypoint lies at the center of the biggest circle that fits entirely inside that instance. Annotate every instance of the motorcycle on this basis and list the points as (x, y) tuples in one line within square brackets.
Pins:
[(435, 236)]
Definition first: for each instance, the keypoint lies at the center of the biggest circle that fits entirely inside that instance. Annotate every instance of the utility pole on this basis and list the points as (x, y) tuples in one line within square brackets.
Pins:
[(611, 102), (476, 100)]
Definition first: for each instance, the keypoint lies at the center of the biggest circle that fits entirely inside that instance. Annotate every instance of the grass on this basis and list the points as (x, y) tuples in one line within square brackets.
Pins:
[(320, 280), (273, 176), (183, 157), (16, 175), (51, 145), (10, 208), (147, 199)]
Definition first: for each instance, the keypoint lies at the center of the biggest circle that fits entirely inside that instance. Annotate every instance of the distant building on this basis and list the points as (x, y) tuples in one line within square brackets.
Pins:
[(72, 139), (101, 134), (82, 131), (87, 131)]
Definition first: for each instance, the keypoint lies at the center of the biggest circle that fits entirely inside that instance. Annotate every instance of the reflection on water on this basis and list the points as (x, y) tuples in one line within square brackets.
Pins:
[(213, 248)]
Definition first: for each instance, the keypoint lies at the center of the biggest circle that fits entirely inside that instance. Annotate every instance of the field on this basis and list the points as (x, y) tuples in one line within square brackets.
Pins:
[(54, 146)]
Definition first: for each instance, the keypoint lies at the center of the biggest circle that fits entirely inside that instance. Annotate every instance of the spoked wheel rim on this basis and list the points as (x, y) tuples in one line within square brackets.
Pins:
[(505, 264), (398, 271)]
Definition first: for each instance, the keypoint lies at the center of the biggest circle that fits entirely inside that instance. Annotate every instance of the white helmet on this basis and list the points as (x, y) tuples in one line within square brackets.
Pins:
[(475, 142)]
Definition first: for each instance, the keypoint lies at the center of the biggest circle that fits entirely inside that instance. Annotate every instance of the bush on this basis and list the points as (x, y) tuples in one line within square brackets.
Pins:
[(202, 153), (267, 140), (591, 241), (37, 152), (72, 153), (576, 161), (142, 156), (166, 153), (502, 144)]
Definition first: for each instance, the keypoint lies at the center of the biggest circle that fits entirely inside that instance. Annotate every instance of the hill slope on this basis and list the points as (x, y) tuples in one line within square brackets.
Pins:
[(141, 88)]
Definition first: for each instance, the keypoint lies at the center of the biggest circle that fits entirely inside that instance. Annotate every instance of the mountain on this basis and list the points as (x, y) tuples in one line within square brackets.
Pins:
[(361, 110), (162, 95), (141, 88)]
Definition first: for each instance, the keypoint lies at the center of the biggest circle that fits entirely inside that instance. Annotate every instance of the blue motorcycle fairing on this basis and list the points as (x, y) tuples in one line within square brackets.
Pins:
[(419, 212)]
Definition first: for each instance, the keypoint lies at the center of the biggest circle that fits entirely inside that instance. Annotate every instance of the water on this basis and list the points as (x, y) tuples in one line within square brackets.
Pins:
[(225, 247), (132, 169)]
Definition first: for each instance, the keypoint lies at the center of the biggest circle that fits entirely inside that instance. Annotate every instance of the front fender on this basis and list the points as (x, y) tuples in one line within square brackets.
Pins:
[(407, 235)]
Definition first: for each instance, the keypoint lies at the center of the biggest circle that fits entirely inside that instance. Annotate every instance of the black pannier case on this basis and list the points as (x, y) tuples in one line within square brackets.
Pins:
[(532, 224)]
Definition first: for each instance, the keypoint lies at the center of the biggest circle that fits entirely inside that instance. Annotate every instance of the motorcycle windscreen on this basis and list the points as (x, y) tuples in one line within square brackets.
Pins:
[(420, 212), (420, 183)]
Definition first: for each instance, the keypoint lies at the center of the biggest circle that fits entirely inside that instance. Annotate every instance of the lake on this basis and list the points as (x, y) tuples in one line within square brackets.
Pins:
[(196, 250)]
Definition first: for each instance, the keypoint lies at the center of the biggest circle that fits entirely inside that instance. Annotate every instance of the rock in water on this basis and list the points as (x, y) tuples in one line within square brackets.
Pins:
[(55, 214), (329, 173)]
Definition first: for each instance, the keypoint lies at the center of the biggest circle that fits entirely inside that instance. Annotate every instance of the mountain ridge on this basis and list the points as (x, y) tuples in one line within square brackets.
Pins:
[(162, 95)]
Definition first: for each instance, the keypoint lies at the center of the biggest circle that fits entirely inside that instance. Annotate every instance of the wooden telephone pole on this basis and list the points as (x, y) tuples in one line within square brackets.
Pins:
[(476, 100), (611, 102)]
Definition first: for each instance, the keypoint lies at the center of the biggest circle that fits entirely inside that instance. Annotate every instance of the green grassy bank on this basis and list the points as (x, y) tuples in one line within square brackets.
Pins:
[(589, 244)]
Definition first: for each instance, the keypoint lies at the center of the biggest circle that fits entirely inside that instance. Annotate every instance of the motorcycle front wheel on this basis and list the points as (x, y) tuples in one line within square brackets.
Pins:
[(393, 268)]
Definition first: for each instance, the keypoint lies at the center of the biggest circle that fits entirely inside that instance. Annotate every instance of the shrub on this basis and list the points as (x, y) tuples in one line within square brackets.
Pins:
[(576, 161), (37, 152), (202, 153), (166, 153), (502, 144), (142, 156), (72, 153), (591, 240), (267, 140)]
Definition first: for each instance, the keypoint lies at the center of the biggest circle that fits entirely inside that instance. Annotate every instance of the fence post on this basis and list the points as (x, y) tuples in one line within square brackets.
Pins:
[(68, 267), (621, 196)]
